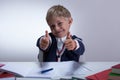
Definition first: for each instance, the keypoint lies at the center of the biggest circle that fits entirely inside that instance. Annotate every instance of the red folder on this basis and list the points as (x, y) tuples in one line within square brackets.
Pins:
[(1, 65), (103, 75), (5, 74), (117, 66)]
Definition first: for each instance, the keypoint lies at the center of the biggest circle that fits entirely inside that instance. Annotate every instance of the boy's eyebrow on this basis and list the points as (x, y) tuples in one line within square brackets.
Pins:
[(57, 23), (52, 25)]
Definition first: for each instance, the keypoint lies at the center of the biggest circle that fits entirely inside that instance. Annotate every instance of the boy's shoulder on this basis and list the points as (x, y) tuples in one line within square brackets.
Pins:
[(51, 35), (74, 37)]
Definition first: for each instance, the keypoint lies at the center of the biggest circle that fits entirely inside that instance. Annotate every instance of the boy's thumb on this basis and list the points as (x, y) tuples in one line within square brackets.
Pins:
[(46, 33), (68, 35)]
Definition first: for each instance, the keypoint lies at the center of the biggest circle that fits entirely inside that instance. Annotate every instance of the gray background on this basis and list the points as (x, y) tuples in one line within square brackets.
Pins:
[(22, 22)]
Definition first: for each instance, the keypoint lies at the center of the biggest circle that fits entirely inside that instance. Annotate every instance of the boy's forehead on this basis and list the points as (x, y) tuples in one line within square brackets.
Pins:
[(54, 19), (59, 18)]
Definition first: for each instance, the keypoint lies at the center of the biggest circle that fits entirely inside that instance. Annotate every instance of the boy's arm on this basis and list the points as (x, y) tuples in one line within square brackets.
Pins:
[(73, 43), (44, 42), (40, 55), (80, 48)]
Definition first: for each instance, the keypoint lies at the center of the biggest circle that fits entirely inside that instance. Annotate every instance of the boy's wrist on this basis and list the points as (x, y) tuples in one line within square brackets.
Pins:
[(76, 45)]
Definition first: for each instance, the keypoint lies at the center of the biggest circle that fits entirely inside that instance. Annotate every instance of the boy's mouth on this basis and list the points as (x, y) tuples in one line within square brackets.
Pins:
[(59, 32)]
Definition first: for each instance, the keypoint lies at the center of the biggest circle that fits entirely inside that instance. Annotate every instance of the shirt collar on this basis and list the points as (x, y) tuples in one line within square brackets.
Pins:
[(61, 39)]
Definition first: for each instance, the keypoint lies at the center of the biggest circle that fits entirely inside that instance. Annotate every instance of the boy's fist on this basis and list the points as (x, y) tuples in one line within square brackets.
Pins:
[(45, 41), (69, 43)]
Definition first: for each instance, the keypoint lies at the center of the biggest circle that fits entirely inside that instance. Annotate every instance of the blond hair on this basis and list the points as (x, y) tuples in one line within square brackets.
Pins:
[(57, 11)]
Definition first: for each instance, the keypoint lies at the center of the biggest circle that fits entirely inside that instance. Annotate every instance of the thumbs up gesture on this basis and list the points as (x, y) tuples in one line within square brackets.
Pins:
[(45, 41), (70, 44)]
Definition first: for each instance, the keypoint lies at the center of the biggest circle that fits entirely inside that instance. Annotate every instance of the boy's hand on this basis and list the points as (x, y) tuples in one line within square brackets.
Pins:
[(69, 43), (45, 41)]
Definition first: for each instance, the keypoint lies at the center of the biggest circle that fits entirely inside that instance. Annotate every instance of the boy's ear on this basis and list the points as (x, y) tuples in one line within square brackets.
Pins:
[(70, 20)]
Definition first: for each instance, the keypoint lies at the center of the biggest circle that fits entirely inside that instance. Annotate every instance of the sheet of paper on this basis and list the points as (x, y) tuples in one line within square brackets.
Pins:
[(20, 68), (60, 69), (96, 67), (67, 68), (31, 79), (7, 78)]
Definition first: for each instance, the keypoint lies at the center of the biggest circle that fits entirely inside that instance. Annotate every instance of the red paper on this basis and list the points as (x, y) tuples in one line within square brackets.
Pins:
[(116, 66), (1, 65), (103, 75), (6, 75)]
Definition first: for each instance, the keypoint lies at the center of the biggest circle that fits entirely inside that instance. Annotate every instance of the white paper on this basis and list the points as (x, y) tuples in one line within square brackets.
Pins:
[(19, 68), (33, 69), (13, 78)]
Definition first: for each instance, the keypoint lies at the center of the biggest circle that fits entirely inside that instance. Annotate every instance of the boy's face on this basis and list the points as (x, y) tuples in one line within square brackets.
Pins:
[(60, 26)]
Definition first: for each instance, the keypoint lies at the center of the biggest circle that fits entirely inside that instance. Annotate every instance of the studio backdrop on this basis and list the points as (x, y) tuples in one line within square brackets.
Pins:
[(22, 22)]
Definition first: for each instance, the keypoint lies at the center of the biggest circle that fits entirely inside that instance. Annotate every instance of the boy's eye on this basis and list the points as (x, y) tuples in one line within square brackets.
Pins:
[(60, 24), (52, 26)]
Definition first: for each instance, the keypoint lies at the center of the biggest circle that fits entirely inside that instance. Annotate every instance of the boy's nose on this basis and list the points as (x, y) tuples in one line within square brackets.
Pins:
[(57, 28)]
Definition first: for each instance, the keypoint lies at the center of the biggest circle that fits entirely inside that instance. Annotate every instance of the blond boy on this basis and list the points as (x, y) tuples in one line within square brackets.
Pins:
[(59, 44)]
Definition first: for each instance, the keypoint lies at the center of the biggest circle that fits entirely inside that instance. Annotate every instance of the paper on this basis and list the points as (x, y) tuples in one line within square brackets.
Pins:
[(13, 78), (19, 68), (33, 69), (31, 79), (60, 69)]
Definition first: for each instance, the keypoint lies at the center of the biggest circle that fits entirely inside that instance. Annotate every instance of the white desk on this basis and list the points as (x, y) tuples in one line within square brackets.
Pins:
[(85, 69)]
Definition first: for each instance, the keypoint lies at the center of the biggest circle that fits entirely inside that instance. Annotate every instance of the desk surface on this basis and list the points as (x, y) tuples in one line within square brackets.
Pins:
[(86, 68)]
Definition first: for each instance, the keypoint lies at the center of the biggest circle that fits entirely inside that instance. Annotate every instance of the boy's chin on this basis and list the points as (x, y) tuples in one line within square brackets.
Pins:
[(60, 36)]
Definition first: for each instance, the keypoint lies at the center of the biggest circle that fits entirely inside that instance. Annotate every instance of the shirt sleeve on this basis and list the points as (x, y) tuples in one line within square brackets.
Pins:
[(80, 46), (77, 44)]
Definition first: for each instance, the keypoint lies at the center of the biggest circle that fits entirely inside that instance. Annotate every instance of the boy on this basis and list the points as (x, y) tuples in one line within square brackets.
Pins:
[(60, 45)]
